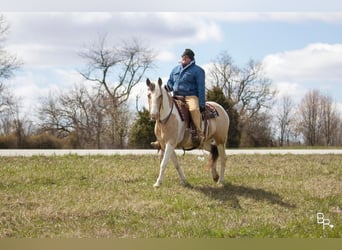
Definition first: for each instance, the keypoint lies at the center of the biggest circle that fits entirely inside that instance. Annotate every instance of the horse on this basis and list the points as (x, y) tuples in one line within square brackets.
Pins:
[(171, 132)]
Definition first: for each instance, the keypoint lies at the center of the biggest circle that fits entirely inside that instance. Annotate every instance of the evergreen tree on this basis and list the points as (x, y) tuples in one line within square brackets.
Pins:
[(142, 132)]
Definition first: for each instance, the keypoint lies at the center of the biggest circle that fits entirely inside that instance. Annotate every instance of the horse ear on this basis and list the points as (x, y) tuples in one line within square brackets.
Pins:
[(148, 82), (160, 82)]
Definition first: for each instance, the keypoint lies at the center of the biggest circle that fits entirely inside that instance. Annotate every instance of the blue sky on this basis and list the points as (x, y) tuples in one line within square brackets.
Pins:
[(299, 43)]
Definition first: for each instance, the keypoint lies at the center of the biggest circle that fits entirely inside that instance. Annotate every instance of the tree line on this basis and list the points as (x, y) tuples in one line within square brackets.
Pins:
[(100, 117)]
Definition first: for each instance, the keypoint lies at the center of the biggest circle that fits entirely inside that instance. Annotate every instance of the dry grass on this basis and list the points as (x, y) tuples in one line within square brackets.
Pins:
[(112, 196)]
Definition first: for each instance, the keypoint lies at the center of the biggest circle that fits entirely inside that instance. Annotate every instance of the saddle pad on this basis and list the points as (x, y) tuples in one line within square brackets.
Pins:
[(210, 112)]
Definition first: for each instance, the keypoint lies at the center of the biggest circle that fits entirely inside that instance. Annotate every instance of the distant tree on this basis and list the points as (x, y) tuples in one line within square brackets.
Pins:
[(257, 131), (338, 136), (318, 119), (80, 115), (248, 89), (285, 119), (234, 134), (309, 123), (9, 104), (330, 120), (142, 131), (8, 62)]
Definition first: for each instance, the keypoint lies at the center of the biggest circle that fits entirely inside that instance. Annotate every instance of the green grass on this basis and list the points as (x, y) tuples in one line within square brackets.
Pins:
[(73, 196)]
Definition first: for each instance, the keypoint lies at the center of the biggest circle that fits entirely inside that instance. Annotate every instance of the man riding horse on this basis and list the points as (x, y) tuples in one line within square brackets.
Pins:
[(188, 80)]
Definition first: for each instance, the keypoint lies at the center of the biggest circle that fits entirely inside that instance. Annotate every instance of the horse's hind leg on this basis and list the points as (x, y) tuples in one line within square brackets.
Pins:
[(222, 154), (214, 154), (178, 167)]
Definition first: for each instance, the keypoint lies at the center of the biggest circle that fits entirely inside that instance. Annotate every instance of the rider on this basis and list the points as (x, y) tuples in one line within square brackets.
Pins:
[(188, 80)]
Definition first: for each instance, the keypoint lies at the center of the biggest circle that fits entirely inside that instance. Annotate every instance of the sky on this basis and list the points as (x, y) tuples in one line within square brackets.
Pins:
[(299, 43)]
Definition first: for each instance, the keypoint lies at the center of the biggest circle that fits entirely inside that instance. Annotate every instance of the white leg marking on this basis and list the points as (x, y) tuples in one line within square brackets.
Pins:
[(168, 151), (178, 167), (222, 155)]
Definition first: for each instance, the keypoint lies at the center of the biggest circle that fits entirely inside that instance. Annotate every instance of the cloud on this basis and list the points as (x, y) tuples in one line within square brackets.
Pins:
[(166, 56), (288, 17), (316, 66), (48, 38), (51, 40), (318, 62), (292, 89), (33, 84), (55, 37), (174, 5), (339, 108)]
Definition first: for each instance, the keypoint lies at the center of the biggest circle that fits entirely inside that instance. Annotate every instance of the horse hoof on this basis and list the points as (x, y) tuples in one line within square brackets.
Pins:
[(216, 178), (220, 183), (184, 183), (156, 185)]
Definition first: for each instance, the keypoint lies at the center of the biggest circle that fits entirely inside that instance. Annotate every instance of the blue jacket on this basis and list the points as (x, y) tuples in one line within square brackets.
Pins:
[(188, 81)]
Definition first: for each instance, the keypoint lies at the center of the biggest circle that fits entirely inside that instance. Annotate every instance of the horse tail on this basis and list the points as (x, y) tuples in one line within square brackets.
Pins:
[(214, 154)]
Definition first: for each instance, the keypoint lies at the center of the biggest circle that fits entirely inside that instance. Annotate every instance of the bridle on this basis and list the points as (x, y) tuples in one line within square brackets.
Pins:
[(160, 98)]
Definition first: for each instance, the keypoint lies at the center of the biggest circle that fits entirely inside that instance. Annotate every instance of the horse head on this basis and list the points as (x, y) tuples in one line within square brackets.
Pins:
[(154, 94)]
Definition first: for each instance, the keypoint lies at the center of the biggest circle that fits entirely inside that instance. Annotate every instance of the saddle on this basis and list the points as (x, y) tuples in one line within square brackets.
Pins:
[(183, 110)]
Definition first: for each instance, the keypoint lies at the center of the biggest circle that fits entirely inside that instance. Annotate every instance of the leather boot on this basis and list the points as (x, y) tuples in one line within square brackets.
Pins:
[(196, 118)]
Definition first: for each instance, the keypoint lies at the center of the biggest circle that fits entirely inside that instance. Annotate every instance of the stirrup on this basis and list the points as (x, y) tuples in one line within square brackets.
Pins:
[(198, 141)]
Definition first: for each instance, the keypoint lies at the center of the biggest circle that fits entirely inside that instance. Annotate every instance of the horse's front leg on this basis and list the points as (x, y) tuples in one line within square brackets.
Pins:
[(169, 149), (178, 167)]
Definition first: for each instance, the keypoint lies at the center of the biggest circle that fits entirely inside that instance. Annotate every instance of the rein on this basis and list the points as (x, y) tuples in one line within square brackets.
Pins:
[(169, 115)]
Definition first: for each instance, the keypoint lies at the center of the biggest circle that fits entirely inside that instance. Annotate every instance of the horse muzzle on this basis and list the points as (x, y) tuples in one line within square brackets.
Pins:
[(154, 116)]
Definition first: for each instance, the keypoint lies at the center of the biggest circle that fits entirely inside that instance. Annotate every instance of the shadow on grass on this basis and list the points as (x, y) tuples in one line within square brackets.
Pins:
[(230, 193)]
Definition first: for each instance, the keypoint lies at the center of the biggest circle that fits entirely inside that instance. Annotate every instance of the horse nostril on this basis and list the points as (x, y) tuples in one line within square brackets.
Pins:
[(153, 117)]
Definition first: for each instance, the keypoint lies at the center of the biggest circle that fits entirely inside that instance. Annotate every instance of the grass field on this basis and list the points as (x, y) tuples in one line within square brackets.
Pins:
[(112, 197)]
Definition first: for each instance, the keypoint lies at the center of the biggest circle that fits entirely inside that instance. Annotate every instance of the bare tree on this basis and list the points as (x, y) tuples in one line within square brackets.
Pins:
[(309, 123), (330, 120), (6, 67), (319, 119), (8, 62), (51, 117), (285, 119), (70, 113), (116, 70), (6, 99), (338, 138), (248, 89), (257, 131), (222, 73), (80, 115)]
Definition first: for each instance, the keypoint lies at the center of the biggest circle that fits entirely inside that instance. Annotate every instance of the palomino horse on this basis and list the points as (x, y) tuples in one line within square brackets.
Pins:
[(171, 132)]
